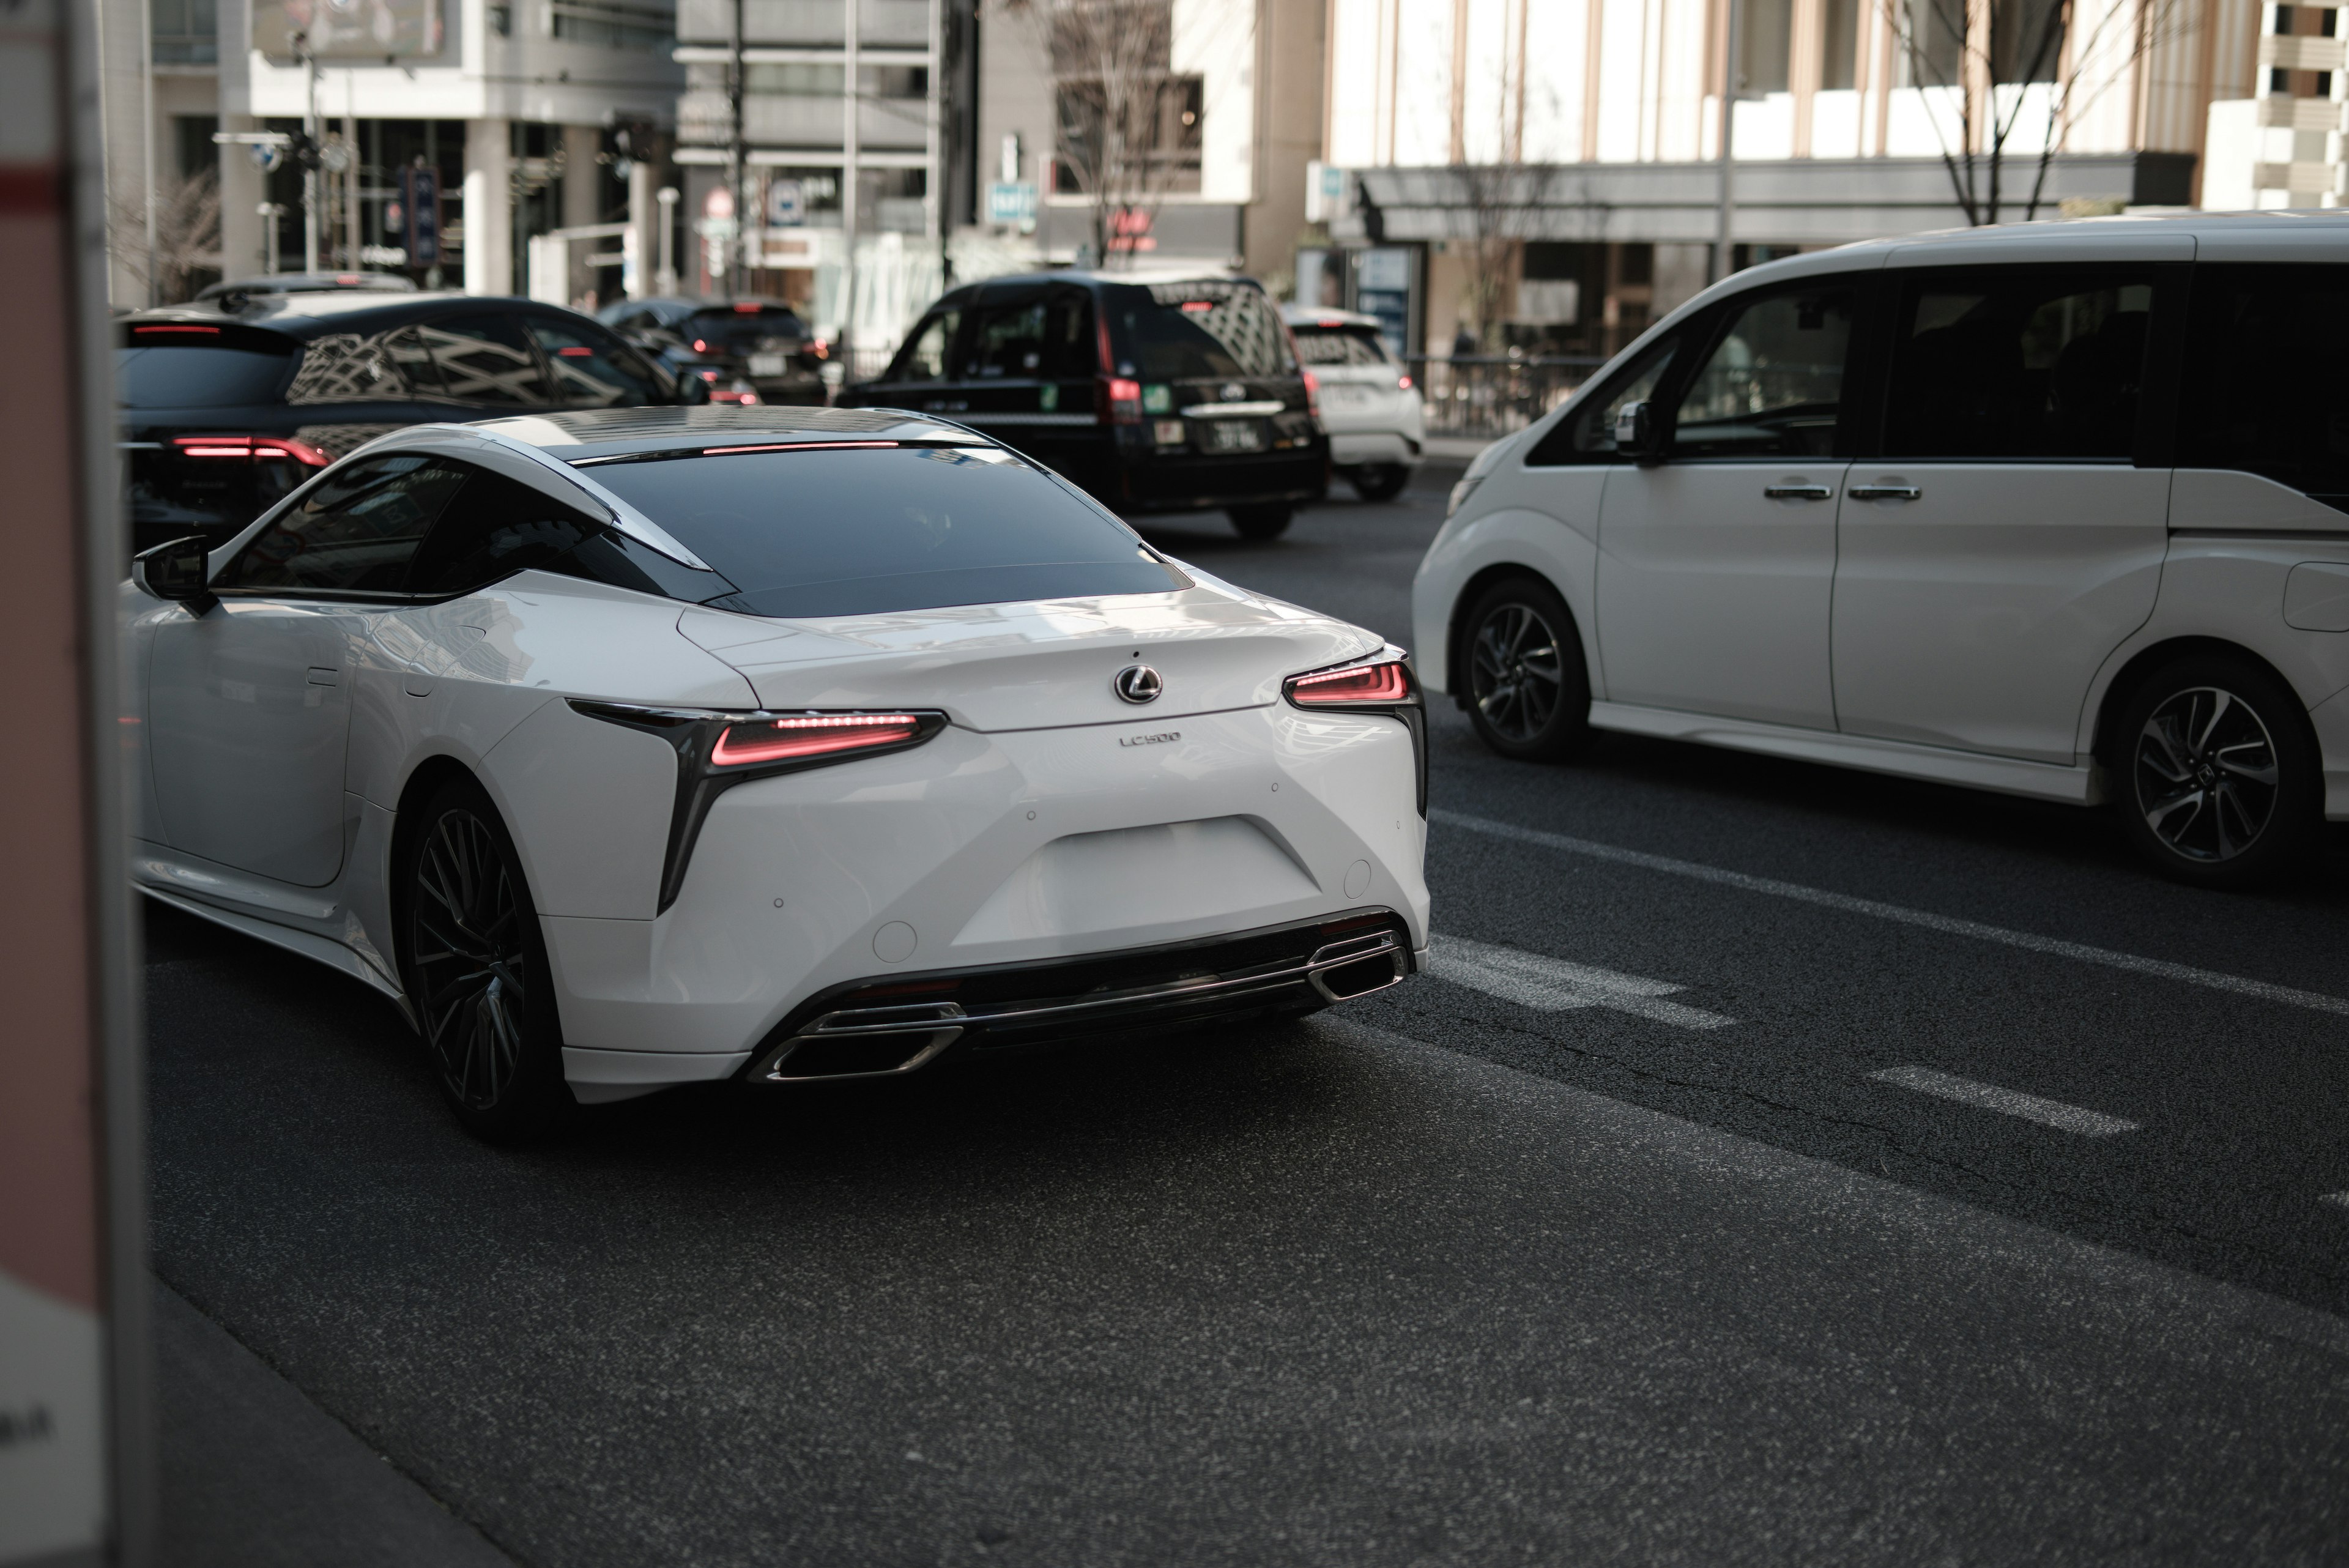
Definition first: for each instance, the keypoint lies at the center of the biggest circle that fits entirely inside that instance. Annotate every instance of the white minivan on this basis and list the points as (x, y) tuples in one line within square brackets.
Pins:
[(2056, 509)]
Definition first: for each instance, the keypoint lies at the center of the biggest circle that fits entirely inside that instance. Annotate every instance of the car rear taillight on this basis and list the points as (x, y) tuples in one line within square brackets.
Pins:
[(1312, 393), (810, 735), (1383, 683), (1121, 400), (1380, 685), (716, 752), (1403, 383), (252, 449)]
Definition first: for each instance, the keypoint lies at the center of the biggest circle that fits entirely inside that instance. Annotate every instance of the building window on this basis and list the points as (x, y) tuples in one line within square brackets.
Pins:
[(792, 78), (186, 31), (1765, 42), (1932, 42), (1128, 126), (2026, 39), (1840, 59), (611, 25), (192, 138)]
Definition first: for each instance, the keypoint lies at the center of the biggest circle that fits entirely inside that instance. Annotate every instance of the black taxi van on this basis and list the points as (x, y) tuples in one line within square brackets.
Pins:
[(1175, 394)]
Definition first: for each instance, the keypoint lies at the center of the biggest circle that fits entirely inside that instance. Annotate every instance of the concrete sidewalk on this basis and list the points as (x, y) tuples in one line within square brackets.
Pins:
[(253, 1475)]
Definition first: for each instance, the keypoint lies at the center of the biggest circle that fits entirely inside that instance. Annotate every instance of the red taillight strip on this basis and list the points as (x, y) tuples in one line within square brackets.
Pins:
[(148, 331), (815, 735), (261, 447), (1358, 685)]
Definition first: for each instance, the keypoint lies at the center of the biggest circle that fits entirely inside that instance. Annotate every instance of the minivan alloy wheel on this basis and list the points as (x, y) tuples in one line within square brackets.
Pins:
[(1516, 677), (2207, 773), (472, 960)]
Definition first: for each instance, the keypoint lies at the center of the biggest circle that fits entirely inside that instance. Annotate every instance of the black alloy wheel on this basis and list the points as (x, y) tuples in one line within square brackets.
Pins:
[(2219, 784), (475, 965), (1260, 522), (1379, 481), (1522, 670)]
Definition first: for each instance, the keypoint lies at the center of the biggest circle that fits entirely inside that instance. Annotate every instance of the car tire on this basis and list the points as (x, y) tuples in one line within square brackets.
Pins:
[(1260, 522), (1379, 481), (2216, 773), (1522, 672), (473, 961)]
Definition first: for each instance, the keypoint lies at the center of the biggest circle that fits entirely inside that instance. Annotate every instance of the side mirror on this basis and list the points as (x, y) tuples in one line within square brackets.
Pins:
[(1635, 432), (175, 573), (691, 389)]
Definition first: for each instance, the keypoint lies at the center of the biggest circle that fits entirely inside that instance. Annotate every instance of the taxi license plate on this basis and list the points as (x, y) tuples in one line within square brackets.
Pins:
[(767, 364), (1235, 435)]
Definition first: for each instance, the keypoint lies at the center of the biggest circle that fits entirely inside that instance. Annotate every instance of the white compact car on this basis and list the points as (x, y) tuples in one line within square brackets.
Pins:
[(642, 747), (2059, 509), (1376, 422)]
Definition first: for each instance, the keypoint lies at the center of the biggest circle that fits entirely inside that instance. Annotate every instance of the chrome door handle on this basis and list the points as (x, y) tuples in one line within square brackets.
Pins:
[(1884, 492), (1799, 491)]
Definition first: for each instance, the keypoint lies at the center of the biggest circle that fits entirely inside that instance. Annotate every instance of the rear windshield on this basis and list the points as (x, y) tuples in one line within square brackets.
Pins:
[(1192, 331), (1340, 346), (771, 322), (199, 376), (819, 533)]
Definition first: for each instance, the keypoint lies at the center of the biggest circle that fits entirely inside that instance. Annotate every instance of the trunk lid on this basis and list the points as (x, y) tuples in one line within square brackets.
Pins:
[(1041, 665)]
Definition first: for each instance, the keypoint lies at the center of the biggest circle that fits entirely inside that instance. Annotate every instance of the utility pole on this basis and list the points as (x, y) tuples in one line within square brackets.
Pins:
[(851, 185), (310, 197), (736, 278), (1724, 249), (665, 280)]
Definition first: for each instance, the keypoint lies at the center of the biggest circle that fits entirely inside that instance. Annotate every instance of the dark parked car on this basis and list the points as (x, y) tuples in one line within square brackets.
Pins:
[(748, 350), (1179, 394), (224, 413)]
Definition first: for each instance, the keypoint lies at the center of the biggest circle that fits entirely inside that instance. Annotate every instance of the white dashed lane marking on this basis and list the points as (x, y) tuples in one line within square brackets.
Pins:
[(2338, 1200), (2242, 985), (2011, 1102), (1554, 986)]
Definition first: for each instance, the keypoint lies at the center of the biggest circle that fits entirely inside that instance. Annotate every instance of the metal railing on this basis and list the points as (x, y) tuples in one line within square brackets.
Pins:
[(1492, 395)]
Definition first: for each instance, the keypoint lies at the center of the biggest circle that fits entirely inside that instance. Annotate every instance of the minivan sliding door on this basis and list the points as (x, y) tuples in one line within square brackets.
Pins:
[(2006, 541)]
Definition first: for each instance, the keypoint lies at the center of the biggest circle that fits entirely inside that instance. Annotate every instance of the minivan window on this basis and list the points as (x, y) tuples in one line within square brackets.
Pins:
[(1193, 331), (2264, 387), (817, 533), (2003, 362), (1773, 385), (1035, 338), (1588, 435)]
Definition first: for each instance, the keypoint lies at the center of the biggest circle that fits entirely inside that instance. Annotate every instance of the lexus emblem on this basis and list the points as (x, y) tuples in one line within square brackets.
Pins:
[(1234, 392), (1137, 683)]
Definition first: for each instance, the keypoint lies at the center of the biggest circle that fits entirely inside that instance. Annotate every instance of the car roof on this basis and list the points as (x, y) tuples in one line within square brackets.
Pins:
[(1322, 316), (311, 282), (582, 434), (304, 317)]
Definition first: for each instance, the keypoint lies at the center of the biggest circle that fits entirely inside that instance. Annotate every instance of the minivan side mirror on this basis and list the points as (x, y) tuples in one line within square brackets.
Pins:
[(175, 573), (691, 389), (1635, 432)]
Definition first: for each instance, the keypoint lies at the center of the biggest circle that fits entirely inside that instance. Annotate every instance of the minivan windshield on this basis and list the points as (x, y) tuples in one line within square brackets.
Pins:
[(820, 533), (1219, 327)]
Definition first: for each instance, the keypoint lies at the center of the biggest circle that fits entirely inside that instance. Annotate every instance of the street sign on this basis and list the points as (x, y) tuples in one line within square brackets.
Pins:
[(786, 204), (420, 195), (1011, 202)]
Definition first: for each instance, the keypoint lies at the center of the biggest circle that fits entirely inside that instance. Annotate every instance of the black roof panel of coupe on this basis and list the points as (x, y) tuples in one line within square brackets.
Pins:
[(581, 435)]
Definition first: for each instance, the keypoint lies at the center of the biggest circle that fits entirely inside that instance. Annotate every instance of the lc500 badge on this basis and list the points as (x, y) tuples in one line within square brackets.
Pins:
[(1157, 739)]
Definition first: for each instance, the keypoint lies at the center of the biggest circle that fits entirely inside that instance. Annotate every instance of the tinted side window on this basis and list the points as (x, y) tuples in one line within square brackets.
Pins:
[(2265, 387), (495, 527), (487, 359), (593, 370), (344, 368), (1773, 384), (1588, 435), (1006, 340), (355, 533), (2003, 362), (923, 358)]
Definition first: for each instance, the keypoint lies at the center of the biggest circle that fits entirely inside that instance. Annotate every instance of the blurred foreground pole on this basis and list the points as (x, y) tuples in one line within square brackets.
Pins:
[(75, 1384)]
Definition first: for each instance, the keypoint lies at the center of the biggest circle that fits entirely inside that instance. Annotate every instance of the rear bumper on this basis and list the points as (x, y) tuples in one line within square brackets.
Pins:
[(1192, 484), (1374, 446), (890, 1025), (982, 851)]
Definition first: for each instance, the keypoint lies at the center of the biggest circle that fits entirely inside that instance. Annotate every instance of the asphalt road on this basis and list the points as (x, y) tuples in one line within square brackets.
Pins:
[(1644, 1230)]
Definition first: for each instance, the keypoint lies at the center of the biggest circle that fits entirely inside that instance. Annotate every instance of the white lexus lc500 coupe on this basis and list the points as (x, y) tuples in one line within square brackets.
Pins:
[(640, 747)]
